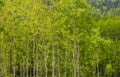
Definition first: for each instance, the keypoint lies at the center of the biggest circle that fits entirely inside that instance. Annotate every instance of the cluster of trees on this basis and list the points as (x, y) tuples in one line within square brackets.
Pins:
[(106, 7), (57, 38)]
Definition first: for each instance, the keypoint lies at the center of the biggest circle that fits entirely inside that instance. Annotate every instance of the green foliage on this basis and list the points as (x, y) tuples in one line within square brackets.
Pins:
[(106, 7), (109, 27), (1, 3), (109, 69), (62, 33)]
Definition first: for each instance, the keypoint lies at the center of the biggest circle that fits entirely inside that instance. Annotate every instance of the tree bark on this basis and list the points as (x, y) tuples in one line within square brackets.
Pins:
[(74, 59), (52, 41), (53, 60), (45, 53), (65, 65), (23, 68), (27, 66), (36, 58), (58, 57), (21, 75), (97, 64), (10, 61), (78, 59), (58, 65), (66, 61), (14, 64), (74, 49)]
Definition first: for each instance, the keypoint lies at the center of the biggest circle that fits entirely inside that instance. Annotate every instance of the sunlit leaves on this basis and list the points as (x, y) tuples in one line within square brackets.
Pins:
[(65, 24)]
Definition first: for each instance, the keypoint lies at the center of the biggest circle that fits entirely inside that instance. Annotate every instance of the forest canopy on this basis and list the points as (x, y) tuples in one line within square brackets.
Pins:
[(59, 38)]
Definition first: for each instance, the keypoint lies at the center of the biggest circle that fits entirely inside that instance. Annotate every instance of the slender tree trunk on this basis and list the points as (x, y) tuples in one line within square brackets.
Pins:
[(14, 51), (34, 65), (41, 69), (74, 59), (45, 54), (30, 72), (27, 66), (1, 59), (23, 69), (66, 61), (0, 64), (97, 70), (21, 75), (65, 65), (58, 65), (97, 65), (44, 46), (53, 60), (27, 45), (58, 58), (78, 59), (36, 58), (0, 70), (52, 41), (74, 50), (10, 61), (14, 64), (94, 70), (35, 48)]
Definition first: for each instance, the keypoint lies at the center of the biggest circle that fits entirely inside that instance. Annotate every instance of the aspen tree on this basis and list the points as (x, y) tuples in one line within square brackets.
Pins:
[(52, 38), (36, 58), (27, 60), (78, 60), (43, 40), (66, 61), (58, 56), (44, 49), (14, 52), (74, 50)]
